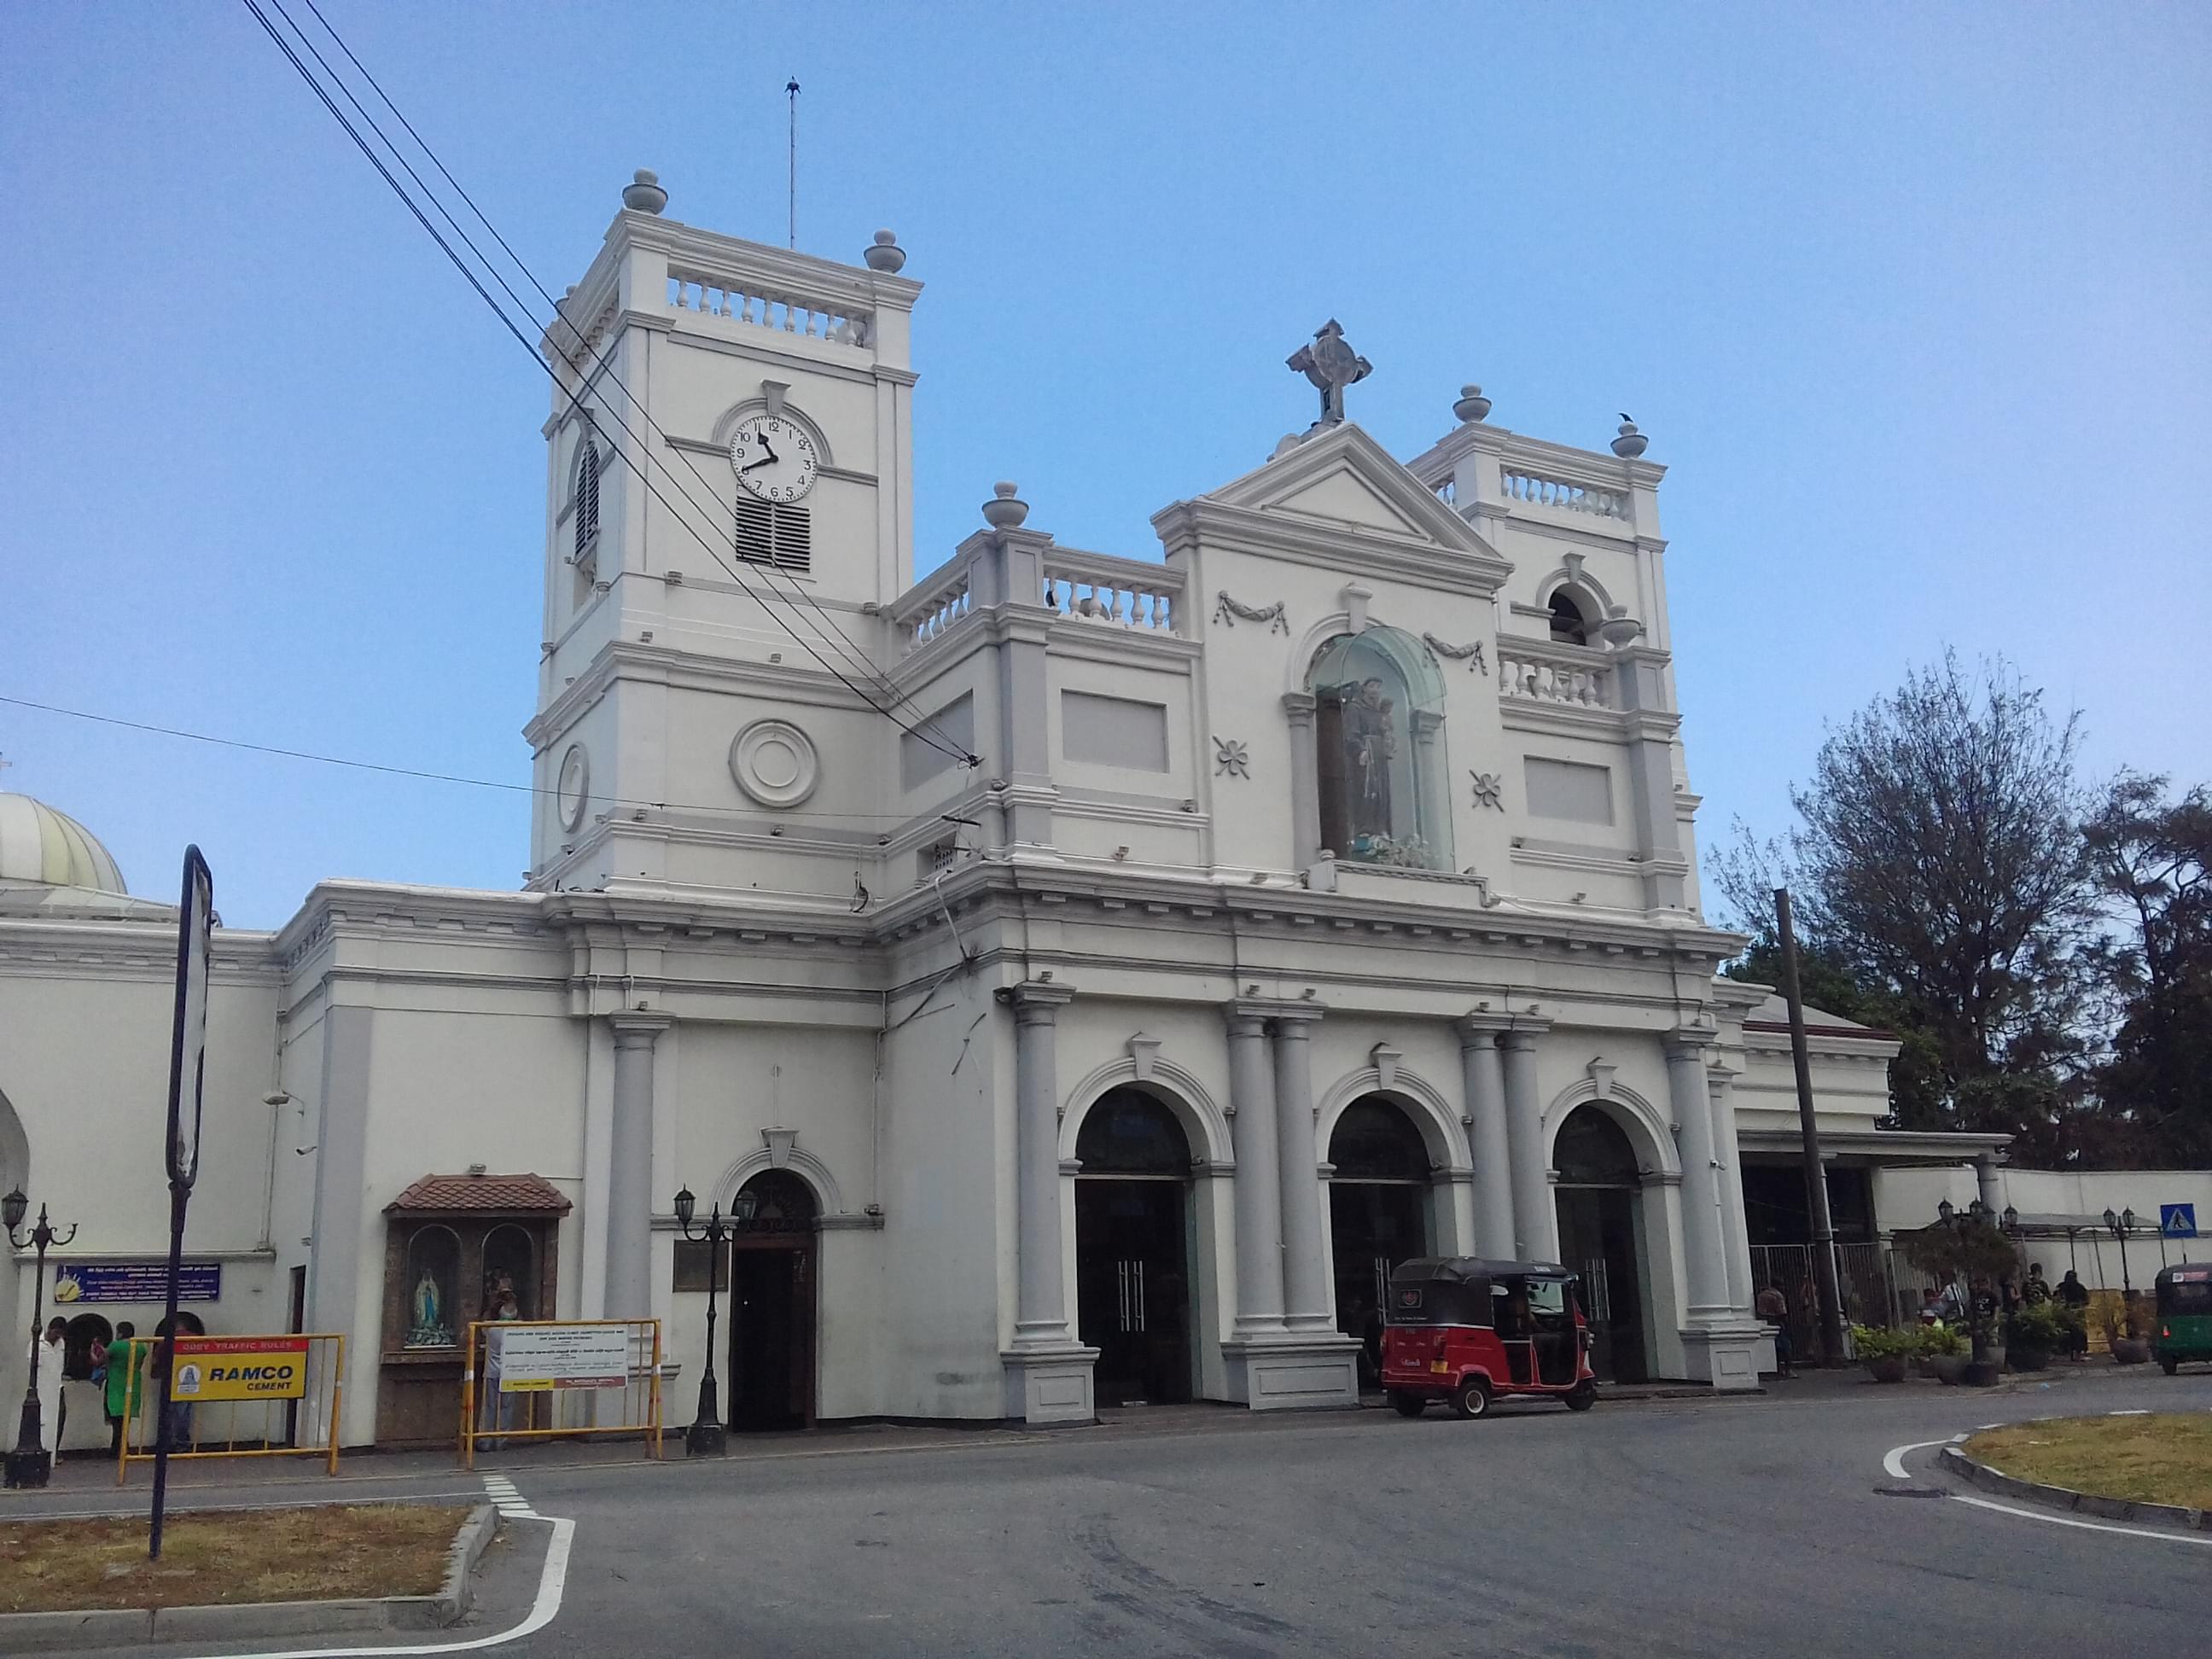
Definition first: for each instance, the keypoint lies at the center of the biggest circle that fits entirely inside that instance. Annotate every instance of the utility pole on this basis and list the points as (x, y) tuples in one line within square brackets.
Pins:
[(792, 88), (1816, 1177)]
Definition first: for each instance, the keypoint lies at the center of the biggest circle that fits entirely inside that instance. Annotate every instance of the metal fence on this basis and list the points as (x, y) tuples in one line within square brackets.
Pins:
[(238, 1396), (1865, 1277), (541, 1379)]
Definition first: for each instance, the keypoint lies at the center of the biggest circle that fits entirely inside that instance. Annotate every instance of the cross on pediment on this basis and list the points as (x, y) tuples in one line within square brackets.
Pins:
[(1332, 365)]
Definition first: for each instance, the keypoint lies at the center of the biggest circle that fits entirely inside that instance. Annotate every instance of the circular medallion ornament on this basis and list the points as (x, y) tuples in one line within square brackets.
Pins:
[(774, 763), (573, 787)]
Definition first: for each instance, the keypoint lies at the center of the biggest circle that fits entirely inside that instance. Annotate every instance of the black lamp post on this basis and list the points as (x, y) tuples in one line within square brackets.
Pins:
[(1950, 1217), (31, 1464), (707, 1435), (2122, 1225)]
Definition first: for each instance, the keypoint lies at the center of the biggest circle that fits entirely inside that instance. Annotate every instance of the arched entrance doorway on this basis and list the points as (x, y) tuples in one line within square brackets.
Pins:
[(772, 1258), (1132, 1281), (1598, 1191), (1378, 1215)]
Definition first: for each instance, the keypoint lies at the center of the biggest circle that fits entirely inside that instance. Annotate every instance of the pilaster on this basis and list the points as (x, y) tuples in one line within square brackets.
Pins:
[(1536, 1215), (630, 1166), (1482, 1074), (1047, 1372)]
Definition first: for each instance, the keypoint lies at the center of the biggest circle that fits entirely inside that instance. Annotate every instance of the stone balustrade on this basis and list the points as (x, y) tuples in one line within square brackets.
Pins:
[(1538, 489), (932, 607), (1557, 677), (1125, 592), (719, 296)]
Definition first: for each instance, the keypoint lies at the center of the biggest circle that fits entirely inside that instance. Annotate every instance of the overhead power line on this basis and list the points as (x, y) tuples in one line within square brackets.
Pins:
[(409, 771), (529, 346)]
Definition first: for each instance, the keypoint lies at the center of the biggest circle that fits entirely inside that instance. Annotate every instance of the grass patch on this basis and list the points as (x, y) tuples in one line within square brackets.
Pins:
[(2148, 1460), (313, 1554)]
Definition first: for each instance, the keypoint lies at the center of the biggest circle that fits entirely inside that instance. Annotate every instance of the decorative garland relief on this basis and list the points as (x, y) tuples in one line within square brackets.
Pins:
[(1226, 611)]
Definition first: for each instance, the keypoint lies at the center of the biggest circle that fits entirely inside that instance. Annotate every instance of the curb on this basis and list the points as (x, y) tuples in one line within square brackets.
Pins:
[(1979, 1473), (118, 1628)]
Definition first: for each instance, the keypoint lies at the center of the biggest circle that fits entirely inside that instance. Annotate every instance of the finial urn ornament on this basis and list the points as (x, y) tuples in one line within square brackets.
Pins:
[(644, 194), (1630, 442), (1006, 509), (1472, 406), (1332, 365), (885, 254)]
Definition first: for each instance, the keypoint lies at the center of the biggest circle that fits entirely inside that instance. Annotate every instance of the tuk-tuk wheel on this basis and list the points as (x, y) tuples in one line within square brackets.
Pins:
[(1408, 1405), (1582, 1399), (2169, 1364), (1471, 1398)]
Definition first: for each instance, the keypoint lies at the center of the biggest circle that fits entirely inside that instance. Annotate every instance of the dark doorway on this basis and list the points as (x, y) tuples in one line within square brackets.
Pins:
[(1378, 1213), (296, 1321), (772, 1300), (1133, 1250), (1598, 1186)]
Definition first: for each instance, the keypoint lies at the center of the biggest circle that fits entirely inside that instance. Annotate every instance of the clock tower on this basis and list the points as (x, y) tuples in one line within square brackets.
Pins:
[(729, 500)]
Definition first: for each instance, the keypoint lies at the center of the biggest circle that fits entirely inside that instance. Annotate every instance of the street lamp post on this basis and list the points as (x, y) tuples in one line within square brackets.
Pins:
[(2121, 1225), (31, 1464), (1955, 1221), (706, 1437)]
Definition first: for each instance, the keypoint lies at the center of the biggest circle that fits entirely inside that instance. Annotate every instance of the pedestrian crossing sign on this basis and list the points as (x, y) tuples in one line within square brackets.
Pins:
[(2178, 1220)]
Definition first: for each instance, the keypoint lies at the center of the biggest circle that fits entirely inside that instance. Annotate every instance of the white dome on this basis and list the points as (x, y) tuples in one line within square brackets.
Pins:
[(40, 846)]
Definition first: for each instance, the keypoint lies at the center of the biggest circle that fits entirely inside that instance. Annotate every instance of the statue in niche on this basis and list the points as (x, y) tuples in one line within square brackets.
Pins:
[(429, 1328), (1371, 744)]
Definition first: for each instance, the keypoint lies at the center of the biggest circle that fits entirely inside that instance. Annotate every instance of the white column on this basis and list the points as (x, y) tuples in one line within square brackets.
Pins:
[(1985, 1184), (1259, 1177), (1041, 1312), (1704, 1258), (1735, 1233), (1535, 1217), (1483, 1076), (1306, 1298), (630, 1168), (1305, 792)]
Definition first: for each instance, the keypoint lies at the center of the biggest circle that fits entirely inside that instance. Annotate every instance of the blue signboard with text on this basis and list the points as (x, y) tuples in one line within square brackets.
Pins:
[(137, 1281), (2178, 1220)]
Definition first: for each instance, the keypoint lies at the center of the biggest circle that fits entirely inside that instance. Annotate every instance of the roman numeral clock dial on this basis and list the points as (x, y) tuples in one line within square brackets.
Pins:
[(774, 459)]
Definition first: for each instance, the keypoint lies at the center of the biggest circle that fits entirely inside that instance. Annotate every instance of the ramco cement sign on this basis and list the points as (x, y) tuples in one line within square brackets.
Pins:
[(240, 1367)]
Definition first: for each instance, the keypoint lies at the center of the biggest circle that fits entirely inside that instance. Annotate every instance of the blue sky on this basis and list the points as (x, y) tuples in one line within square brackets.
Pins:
[(1913, 301)]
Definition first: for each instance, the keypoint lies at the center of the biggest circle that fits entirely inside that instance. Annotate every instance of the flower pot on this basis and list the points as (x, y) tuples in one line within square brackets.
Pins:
[(2130, 1350), (1947, 1367), (1889, 1368), (2030, 1359), (1980, 1374)]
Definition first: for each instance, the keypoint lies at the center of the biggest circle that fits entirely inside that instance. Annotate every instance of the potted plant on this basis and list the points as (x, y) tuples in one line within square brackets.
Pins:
[(1944, 1352), (1884, 1352), (1963, 1249), (2034, 1332)]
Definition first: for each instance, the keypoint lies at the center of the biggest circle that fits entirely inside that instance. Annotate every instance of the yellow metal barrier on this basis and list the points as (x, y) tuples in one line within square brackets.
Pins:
[(539, 1379), (258, 1396)]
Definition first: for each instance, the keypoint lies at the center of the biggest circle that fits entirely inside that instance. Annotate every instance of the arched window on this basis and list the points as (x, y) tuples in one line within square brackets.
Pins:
[(588, 495), (1379, 759), (84, 1330), (1569, 625), (785, 1203), (1375, 1140), (1592, 1151), (510, 1271), (1126, 1132)]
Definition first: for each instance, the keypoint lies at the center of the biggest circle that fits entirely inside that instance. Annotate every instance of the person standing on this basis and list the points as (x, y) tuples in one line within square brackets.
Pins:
[(2037, 1290), (1772, 1307), (2073, 1295), (49, 1354), (119, 1386)]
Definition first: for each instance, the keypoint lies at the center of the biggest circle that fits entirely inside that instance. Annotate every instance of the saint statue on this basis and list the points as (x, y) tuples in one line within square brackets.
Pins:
[(1371, 744), (428, 1330)]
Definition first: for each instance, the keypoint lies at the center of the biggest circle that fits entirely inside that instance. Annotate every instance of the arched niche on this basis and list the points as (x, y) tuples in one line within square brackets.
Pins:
[(726, 424), (1379, 761), (15, 1150)]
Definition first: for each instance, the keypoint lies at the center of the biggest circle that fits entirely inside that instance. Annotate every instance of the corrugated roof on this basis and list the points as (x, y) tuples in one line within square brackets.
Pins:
[(482, 1192)]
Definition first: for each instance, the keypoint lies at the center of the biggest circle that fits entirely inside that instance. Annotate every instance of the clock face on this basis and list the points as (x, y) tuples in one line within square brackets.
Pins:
[(774, 459)]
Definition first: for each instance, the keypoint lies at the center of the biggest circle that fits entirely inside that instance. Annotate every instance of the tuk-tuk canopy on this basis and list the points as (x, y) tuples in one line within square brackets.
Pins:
[(1455, 1290), (2185, 1288)]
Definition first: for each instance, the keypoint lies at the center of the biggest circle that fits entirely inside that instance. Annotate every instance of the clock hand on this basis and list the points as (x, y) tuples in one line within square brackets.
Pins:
[(764, 445), (765, 460)]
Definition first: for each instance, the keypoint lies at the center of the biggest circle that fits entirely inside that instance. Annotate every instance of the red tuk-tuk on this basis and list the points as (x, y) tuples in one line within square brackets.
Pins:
[(1468, 1331)]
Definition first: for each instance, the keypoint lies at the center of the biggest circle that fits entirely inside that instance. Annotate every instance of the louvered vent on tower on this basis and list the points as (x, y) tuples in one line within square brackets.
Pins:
[(587, 496), (774, 533)]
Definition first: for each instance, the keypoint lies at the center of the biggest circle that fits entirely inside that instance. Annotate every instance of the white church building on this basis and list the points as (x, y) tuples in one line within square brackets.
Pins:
[(1100, 972)]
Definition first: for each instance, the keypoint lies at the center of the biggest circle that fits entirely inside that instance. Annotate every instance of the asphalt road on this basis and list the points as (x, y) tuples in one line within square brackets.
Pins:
[(1765, 1527)]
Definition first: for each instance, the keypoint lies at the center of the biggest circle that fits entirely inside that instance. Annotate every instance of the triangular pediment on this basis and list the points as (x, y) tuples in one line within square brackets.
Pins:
[(1343, 477)]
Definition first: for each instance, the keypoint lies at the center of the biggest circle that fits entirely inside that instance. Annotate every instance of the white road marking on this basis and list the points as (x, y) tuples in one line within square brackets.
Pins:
[(2087, 1526), (1893, 1461), (552, 1583), (2138, 1412)]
